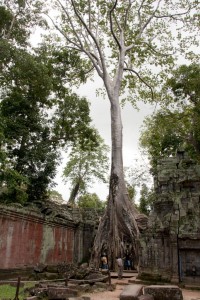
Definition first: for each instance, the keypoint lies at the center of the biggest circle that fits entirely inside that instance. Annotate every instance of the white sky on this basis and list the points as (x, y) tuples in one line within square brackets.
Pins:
[(100, 113)]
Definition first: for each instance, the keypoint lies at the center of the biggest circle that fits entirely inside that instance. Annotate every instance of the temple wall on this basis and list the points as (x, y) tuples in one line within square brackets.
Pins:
[(170, 247), (47, 235), (27, 239)]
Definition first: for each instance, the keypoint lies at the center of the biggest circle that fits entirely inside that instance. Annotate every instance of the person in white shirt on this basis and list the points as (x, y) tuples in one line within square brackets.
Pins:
[(120, 265)]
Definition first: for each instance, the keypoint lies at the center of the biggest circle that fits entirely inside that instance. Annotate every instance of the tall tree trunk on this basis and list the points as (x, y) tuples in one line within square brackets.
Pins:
[(74, 193), (119, 223)]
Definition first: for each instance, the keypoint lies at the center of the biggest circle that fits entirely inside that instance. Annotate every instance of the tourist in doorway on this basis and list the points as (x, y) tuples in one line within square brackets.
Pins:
[(104, 262), (127, 261), (120, 267)]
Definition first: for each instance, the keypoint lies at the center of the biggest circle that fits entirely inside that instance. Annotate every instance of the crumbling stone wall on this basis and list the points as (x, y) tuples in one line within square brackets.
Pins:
[(28, 238), (170, 247), (48, 234)]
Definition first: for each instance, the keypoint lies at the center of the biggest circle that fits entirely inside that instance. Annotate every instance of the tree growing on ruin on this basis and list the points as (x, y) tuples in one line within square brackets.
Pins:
[(84, 166), (124, 41)]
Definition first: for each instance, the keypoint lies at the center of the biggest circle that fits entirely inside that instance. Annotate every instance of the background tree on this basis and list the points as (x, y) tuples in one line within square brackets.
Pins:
[(179, 124), (55, 196), (90, 201), (147, 197), (85, 165), (120, 38), (31, 133)]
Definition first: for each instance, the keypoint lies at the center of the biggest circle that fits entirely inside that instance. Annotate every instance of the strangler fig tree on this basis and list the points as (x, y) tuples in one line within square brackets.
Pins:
[(129, 44)]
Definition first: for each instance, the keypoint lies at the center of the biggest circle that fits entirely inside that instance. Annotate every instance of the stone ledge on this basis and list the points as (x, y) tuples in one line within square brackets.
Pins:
[(164, 292), (131, 292)]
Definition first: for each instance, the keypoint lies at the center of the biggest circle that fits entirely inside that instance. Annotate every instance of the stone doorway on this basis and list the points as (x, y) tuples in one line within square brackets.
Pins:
[(190, 266)]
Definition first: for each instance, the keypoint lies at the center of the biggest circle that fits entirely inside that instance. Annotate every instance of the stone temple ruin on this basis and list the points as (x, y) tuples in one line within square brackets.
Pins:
[(170, 247)]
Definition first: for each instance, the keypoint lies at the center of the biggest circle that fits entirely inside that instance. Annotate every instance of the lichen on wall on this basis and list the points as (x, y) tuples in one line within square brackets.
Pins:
[(175, 217)]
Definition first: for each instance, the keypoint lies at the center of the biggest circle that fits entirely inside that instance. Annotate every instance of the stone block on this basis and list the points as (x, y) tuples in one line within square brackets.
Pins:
[(61, 293), (52, 268), (164, 292), (131, 292), (31, 298), (78, 298), (84, 287), (51, 276), (146, 297), (101, 284)]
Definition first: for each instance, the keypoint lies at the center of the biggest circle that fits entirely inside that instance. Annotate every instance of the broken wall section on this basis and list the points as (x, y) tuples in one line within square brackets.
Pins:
[(170, 247), (46, 235)]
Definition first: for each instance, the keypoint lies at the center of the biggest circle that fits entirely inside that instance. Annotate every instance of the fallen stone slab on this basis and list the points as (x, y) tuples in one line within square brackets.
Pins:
[(89, 281), (164, 292), (79, 298), (146, 297), (61, 293), (84, 287), (131, 292)]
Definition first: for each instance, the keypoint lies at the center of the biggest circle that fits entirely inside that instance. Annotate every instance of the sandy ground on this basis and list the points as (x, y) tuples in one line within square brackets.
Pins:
[(107, 295)]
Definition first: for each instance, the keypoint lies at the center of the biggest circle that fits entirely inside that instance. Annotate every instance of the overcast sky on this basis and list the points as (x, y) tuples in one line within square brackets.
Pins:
[(100, 113)]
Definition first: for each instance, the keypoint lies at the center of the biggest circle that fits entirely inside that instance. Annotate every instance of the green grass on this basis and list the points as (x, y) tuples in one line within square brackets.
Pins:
[(8, 292)]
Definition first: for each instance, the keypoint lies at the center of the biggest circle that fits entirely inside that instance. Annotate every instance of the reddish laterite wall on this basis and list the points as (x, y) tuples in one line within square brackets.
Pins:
[(27, 239)]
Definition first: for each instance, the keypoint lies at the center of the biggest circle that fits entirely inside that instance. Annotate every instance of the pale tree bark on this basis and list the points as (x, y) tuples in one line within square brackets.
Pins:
[(121, 222)]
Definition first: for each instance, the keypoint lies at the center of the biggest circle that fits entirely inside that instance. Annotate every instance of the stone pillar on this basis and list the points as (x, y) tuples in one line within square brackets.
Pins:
[(78, 243), (174, 259)]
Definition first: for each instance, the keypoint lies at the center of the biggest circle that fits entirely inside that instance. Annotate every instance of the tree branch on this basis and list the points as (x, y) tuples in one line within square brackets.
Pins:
[(141, 79), (77, 47), (71, 23), (92, 36), (81, 48), (126, 14), (139, 14), (111, 24), (150, 18)]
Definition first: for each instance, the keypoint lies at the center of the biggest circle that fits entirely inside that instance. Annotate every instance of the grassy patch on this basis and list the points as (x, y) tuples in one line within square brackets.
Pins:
[(8, 292)]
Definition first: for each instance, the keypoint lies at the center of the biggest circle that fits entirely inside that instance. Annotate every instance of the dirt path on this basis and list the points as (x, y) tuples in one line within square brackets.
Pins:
[(107, 295)]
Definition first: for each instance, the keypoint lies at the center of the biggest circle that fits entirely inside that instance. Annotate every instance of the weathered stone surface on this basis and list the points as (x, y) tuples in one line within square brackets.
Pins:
[(131, 292), (61, 293), (101, 284), (31, 298), (84, 287), (146, 297), (39, 292), (78, 298), (51, 276), (164, 292), (167, 246)]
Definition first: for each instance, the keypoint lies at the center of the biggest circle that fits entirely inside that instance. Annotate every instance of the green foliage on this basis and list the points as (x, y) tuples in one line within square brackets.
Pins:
[(147, 197), (162, 135), (85, 165), (179, 125), (38, 114), (55, 196), (90, 201), (149, 29), (131, 191)]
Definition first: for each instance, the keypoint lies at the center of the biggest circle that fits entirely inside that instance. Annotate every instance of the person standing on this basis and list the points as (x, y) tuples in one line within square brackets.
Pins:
[(104, 262), (120, 267)]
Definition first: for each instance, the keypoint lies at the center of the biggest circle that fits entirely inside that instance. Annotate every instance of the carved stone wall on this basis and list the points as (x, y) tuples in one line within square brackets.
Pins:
[(47, 235), (170, 247)]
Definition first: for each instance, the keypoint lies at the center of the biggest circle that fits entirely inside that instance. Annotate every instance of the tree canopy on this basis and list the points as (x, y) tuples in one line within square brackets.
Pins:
[(38, 114), (90, 201), (177, 125), (85, 165)]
